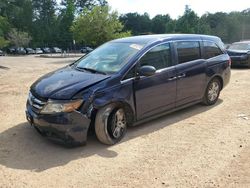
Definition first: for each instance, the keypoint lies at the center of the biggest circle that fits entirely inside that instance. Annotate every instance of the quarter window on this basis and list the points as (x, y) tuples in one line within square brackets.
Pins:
[(211, 50), (130, 74), (158, 57), (188, 51)]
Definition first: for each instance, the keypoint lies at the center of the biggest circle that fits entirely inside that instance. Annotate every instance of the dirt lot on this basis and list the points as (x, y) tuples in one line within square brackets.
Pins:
[(195, 147)]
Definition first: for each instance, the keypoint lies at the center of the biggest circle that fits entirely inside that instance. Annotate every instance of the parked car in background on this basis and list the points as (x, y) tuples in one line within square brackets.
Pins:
[(86, 50), (38, 51), (29, 51), (226, 46), (1, 53), (55, 50), (240, 53), (46, 50), (11, 50), (20, 51), (126, 82)]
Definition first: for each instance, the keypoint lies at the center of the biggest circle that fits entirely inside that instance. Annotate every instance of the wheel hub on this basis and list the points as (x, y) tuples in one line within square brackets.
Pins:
[(119, 124), (213, 91)]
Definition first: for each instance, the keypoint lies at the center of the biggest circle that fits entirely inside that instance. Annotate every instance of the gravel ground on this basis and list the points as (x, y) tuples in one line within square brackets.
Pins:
[(196, 147)]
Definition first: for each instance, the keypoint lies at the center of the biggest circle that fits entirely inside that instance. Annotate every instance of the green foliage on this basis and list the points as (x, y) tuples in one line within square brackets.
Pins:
[(45, 22), (4, 26), (65, 21), (18, 38), (17, 12), (3, 42), (88, 4), (188, 23), (96, 26), (159, 23), (204, 27), (52, 25), (136, 23), (4, 29), (170, 26), (230, 27)]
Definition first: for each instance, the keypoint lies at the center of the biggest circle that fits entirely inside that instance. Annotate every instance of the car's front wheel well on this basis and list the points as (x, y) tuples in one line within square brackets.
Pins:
[(111, 122), (128, 110)]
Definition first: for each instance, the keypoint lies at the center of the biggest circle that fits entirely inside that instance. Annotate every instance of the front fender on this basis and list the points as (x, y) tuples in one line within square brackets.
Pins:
[(122, 93)]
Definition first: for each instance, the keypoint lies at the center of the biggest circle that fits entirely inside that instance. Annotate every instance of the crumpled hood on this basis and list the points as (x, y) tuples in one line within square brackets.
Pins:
[(64, 83)]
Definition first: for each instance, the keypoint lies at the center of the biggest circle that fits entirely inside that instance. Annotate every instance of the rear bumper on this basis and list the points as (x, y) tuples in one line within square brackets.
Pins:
[(226, 76), (68, 128)]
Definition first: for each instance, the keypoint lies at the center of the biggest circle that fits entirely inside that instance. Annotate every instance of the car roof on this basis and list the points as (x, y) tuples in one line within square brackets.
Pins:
[(243, 42), (145, 39)]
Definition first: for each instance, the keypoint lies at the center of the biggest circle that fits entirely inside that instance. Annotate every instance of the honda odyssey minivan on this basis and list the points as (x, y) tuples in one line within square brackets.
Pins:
[(125, 82)]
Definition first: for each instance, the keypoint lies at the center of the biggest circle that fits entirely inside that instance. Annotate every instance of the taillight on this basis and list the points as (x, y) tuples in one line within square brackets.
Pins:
[(229, 62)]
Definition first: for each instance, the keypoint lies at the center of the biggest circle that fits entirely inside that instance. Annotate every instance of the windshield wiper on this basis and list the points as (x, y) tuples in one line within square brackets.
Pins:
[(91, 70)]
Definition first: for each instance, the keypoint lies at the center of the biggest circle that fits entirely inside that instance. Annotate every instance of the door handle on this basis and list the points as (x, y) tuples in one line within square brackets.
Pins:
[(181, 75), (172, 78)]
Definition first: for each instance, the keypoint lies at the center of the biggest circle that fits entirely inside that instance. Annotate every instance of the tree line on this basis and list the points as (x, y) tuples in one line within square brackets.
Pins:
[(230, 27), (42, 23)]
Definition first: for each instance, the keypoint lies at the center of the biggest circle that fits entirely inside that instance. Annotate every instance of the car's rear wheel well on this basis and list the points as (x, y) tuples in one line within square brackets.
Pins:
[(212, 91), (220, 79)]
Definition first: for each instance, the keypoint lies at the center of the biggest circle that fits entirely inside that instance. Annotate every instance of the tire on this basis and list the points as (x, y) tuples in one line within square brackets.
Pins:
[(110, 124), (212, 92)]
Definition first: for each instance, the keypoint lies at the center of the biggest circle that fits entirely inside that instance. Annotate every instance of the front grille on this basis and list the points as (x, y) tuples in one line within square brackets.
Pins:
[(36, 104)]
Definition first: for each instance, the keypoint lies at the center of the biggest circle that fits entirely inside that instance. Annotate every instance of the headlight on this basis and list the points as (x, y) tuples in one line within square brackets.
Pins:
[(57, 107)]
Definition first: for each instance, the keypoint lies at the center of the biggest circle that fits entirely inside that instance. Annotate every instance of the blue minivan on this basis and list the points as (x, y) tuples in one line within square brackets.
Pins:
[(125, 82)]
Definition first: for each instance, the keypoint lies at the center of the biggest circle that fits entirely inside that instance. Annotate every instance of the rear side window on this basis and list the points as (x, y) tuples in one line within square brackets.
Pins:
[(158, 57), (188, 51), (211, 50)]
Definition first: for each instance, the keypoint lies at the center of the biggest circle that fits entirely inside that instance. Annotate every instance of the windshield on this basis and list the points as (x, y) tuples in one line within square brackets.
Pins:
[(239, 46), (109, 58)]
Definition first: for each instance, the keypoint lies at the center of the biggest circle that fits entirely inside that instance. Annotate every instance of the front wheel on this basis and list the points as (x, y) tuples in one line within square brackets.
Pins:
[(110, 124), (212, 92)]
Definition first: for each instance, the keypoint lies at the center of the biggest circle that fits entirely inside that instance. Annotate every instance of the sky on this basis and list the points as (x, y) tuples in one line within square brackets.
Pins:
[(175, 8)]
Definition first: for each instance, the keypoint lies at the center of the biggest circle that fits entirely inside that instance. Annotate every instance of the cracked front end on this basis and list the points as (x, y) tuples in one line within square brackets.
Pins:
[(58, 120)]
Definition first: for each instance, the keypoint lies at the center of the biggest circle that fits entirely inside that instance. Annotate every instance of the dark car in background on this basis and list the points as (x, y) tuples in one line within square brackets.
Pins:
[(240, 53), (46, 50), (11, 50), (30, 51), (126, 82), (55, 50), (16, 51), (86, 50)]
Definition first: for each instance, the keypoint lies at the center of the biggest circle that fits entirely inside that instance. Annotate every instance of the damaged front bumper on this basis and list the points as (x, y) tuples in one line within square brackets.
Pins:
[(69, 128)]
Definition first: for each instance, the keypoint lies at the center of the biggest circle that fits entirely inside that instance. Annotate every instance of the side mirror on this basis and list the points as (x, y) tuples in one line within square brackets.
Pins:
[(147, 70)]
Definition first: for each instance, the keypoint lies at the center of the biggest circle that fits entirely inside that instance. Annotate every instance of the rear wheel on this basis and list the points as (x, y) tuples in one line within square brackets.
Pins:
[(212, 92), (110, 124)]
